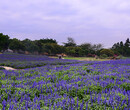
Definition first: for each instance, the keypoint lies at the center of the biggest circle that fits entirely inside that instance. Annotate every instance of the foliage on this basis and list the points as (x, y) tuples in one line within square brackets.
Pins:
[(103, 56), (16, 45), (67, 87), (74, 51), (41, 42), (4, 42), (30, 46), (70, 42), (89, 48), (51, 47), (122, 48), (80, 85), (21, 61), (107, 52), (1, 68)]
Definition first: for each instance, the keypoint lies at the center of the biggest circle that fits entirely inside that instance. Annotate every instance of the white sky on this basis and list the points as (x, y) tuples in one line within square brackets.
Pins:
[(95, 21)]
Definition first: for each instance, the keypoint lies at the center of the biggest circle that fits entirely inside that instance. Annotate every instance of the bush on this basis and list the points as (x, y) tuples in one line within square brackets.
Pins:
[(120, 57), (103, 56), (91, 55), (108, 52), (1, 68)]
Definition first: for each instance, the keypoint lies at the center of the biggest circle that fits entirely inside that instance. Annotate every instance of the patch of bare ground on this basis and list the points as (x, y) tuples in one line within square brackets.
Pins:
[(8, 68)]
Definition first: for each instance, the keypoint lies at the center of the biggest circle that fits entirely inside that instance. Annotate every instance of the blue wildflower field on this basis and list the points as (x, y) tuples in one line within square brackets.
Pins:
[(53, 84), (21, 61)]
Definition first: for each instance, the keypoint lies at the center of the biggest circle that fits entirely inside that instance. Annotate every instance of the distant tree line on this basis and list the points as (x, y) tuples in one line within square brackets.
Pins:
[(121, 48), (51, 47)]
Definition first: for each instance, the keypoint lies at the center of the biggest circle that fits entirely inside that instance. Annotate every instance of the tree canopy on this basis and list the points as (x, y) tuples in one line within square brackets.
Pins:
[(4, 41), (122, 48), (51, 47), (70, 42)]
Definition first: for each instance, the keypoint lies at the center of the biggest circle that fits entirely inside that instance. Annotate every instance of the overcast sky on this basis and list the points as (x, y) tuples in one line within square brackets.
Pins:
[(95, 21)]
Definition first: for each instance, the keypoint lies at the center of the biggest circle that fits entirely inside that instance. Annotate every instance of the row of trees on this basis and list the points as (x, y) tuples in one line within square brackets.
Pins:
[(122, 48), (51, 47), (41, 46)]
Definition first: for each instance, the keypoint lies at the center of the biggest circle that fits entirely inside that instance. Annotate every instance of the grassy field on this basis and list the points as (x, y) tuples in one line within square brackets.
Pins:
[(125, 57), (83, 58), (88, 58)]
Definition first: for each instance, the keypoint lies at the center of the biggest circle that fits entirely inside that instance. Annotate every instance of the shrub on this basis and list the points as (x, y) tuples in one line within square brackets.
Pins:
[(91, 55), (1, 68), (107, 52), (103, 56)]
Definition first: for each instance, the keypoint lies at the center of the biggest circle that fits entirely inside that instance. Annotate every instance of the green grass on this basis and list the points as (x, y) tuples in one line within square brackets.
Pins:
[(83, 58), (87, 58), (125, 57)]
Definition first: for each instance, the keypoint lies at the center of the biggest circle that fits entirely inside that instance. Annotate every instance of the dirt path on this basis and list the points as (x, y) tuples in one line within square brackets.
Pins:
[(8, 68)]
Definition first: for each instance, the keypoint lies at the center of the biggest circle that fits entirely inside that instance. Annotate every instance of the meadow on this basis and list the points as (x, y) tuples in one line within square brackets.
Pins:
[(44, 83), (21, 61), (84, 58)]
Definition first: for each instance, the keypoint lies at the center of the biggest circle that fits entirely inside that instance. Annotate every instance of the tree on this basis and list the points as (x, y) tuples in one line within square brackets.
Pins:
[(74, 51), (16, 45), (86, 46), (70, 51), (48, 41), (91, 49), (57, 49), (70, 42), (127, 47), (40, 43), (4, 42), (79, 51), (27, 43), (52, 48), (33, 48), (30, 46), (127, 43), (122, 48), (97, 47), (107, 52)]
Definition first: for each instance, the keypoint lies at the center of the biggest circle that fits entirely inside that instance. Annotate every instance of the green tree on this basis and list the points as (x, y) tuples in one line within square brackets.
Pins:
[(127, 43), (107, 52), (57, 49), (91, 49), (70, 51), (47, 41), (4, 42), (16, 45), (122, 48), (127, 47), (33, 48), (74, 51), (27, 43), (70, 42), (86, 46), (52, 48), (47, 48), (30, 46), (78, 51), (97, 47)]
